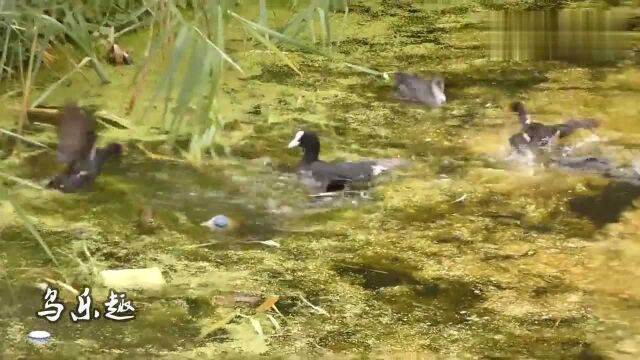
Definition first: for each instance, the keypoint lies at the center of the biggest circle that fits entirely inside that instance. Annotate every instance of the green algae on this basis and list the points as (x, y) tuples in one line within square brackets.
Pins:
[(509, 271)]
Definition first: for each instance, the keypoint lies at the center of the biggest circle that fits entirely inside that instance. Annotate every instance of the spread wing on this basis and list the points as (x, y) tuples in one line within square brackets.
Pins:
[(76, 134)]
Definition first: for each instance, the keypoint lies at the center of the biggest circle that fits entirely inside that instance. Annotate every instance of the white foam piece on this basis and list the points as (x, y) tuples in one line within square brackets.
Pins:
[(39, 334), (38, 337)]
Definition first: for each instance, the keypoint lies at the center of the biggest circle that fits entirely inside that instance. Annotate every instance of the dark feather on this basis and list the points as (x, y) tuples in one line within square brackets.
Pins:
[(518, 107), (76, 134), (534, 134), (85, 171), (334, 176), (412, 88)]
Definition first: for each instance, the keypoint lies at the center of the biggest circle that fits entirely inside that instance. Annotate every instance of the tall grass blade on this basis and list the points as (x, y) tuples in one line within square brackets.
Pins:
[(76, 28), (26, 87), (324, 27), (25, 139), (296, 24), (219, 50), (55, 85), (21, 181), (266, 42), (27, 222), (198, 65), (5, 47), (166, 82), (221, 20), (345, 18), (263, 15), (277, 35), (365, 69), (312, 32)]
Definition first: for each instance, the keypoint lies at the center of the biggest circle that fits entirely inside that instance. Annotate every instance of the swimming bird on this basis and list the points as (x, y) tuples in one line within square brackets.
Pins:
[(77, 149), (334, 176), (429, 92), (533, 135)]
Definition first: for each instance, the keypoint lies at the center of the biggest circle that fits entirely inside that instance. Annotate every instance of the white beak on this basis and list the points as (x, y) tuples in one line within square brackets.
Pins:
[(296, 140)]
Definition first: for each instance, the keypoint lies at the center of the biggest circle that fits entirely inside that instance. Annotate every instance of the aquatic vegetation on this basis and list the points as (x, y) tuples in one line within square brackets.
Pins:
[(195, 44)]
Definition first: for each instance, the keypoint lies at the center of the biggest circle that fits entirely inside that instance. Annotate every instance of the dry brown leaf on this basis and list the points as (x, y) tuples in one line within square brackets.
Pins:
[(268, 303)]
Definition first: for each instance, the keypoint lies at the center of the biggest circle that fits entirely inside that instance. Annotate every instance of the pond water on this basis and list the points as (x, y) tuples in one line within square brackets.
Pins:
[(464, 254)]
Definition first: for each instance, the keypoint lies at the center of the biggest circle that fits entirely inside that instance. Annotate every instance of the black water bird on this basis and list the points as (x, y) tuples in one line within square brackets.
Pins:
[(334, 176), (429, 92), (533, 135), (77, 150)]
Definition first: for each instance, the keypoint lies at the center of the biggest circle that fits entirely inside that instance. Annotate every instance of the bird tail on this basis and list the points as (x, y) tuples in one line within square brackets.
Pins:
[(389, 164), (111, 150), (572, 125)]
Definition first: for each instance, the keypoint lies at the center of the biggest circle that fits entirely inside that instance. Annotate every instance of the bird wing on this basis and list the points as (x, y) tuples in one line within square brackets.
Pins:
[(519, 141), (343, 171), (408, 86), (540, 134), (567, 128), (76, 134)]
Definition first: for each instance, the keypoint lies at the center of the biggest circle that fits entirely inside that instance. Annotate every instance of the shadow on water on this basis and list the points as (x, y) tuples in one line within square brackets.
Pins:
[(449, 298), (585, 36), (606, 206)]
